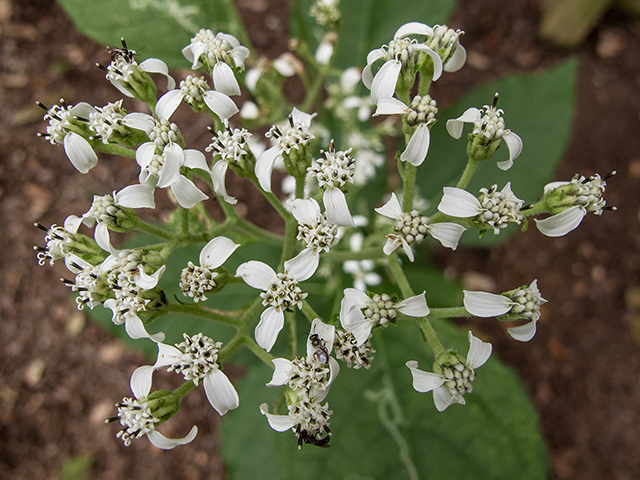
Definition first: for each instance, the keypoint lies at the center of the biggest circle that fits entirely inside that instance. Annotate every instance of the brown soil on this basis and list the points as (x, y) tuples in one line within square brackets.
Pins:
[(60, 375)]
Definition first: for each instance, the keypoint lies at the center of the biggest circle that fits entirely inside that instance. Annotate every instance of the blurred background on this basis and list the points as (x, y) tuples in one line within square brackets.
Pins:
[(60, 373)]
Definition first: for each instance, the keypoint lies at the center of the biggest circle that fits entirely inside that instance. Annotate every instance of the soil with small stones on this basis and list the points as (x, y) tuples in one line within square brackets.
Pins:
[(60, 374)]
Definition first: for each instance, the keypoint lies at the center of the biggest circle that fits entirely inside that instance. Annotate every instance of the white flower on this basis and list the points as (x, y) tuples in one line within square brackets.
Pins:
[(359, 313), (421, 115), (195, 280), (314, 230), (160, 161), (64, 122), (413, 227), (281, 291), (231, 145), (293, 135), (521, 303), (196, 358), (195, 92), (137, 419), (456, 377), (334, 172), (218, 53), (402, 52), (488, 128), (494, 208)]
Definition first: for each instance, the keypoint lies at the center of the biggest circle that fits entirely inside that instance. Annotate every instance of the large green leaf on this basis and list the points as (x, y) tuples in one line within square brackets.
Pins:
[(369, 24), (538, 107), (495, 436), (155, 28)]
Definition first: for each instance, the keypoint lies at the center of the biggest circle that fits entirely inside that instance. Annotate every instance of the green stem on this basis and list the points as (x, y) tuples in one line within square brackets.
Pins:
[(290, 318), (153, 230), (266, 357), (114, 149), (364, 254), (536, 209), (450, 312), (409, 187), (183, 389), (228, 318), (231, 346), (430, 334), (308, 311), (469, 170), (398, 273)]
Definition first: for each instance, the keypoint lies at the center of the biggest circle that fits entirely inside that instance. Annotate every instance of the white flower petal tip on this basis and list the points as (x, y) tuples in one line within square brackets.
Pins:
[(267, 330), (281, 373), (523, 333), (303, 265), (415, 306), (562, 223), (424, 381), (484, 304), (457, 202), (418, 146), (479, 352), (80, 152), (384, 83), (217, 251), (514, 144), (337, 209), (164, 443), (280, 423), (220, 392), (448, 234)]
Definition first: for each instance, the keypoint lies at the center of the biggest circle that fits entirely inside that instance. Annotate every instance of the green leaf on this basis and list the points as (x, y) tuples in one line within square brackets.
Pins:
[(538, 107), (368, 24), (154, 28), (495, 436)]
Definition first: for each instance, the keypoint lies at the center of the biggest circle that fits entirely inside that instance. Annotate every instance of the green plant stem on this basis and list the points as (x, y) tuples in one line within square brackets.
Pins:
[(114, 149), (432, 338), (266, 357), (290, 319), (228, 318), (183, 389), (308, 311), (364, 254), (398, 273), (469, 170), (184, 221), (262, 235), (536, 209), (449, 312), (153, 230), (409, 179), (231, 346)]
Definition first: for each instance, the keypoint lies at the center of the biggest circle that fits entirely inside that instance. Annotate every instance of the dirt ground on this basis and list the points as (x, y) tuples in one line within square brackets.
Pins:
[(60, 374)]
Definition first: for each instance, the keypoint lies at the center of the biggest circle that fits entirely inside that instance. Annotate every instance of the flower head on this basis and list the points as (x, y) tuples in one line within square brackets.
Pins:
[(280, 291), (314, 230), (413, 227), (220, 53), (453, 375), (489, 130), (520, 304)]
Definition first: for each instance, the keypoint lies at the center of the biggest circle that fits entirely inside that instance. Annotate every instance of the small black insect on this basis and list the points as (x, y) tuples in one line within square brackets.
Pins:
[(309, 439), (116, 53), (320, 346)]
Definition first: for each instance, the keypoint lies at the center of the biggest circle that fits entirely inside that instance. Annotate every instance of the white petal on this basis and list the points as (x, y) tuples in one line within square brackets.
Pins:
[(72, 223), (139, 121), (239, 55), (553, 185), (72, 262), (120, 87), (454, 126), (336, 207), (391, 209), (514, 144), (424, 381), (264, 166), (457, 202), (302, 266), (167, 355), (407, 249), (562, 223), (391, 245), (218, 174), (267, 330), (418, 146), (353, 299), (155, 65), (160, 441), (101, 236), (147, 282), (280, 423), (448, 234), (284, 66), (437, 61), (220, 392), (256, 274), (479, 352), (415, 306), (141, 381), (390, 106), (220, 104), (79, 152), (173, 160), (356, 323), (324, 53), (442, 398), (484, 304), (186, 192), (217, 251), (195, 159), (249, 110), (168, 103), (413, 28), (136, 196), (224, 80), (304, 210), (384, 83), (457, 61), (319, 394), (251, 78), (144, 154), (192, 53), (281, 373), (82, 110), (302, 117), (135, 328)]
